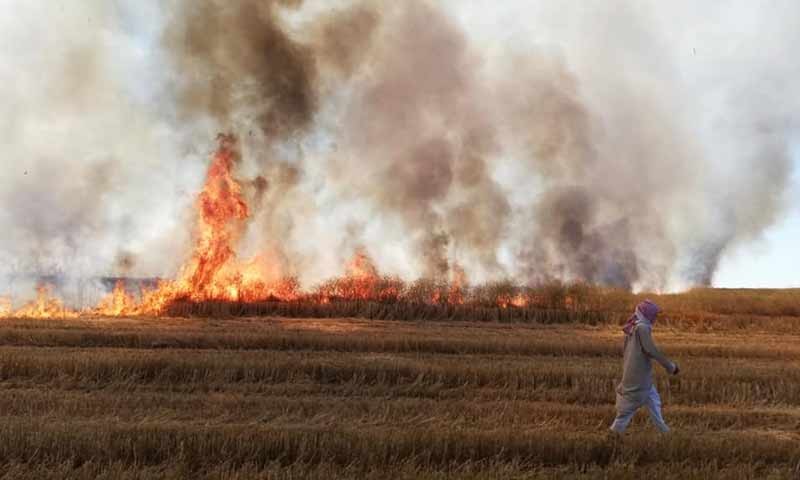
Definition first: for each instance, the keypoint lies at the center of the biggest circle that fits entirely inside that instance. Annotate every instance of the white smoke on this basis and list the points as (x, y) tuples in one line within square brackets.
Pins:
[(93, 165), (633, 143)]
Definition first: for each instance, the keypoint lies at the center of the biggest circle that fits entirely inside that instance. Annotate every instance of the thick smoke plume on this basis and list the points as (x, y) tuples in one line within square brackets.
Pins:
[(240, 66), (238, 58), (624, 143), (89, 166), (417, 140)]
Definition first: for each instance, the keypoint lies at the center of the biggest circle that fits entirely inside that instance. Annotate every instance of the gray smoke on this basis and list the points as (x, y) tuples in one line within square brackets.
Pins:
[(416, 140), (625, 143), (239, 65), (655, 152), (89, 167)]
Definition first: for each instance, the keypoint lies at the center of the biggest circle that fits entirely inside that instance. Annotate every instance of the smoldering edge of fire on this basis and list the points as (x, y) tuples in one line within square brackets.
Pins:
[(595, 151)]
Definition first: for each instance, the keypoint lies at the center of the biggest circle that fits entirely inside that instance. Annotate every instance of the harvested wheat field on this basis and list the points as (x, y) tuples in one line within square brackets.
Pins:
[(356, 398), (364, 239)]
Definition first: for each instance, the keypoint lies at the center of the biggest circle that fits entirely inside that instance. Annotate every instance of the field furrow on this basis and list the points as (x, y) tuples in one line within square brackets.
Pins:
[(375, 399)]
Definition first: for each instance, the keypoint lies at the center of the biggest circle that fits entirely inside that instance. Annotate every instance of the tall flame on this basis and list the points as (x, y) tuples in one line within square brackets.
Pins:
[(214, 273), (222, 210)]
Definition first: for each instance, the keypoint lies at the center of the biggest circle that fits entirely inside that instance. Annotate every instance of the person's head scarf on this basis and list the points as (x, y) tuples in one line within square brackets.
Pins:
[(646, 310)]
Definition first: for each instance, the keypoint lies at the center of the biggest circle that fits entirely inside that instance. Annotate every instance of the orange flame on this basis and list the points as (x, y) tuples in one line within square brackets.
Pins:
[(118, 303), (5, 307), (456, 294), (518, 300), (359, 282), (214, 273), (44, 306), (222, 210)]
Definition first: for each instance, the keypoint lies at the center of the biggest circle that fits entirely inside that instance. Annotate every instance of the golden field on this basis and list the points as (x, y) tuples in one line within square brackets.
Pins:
[(236, 398)]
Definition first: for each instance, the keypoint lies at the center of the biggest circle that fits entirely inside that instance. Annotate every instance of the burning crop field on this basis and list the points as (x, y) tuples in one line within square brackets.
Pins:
[(353, 239), (226, 372), (215, 282)]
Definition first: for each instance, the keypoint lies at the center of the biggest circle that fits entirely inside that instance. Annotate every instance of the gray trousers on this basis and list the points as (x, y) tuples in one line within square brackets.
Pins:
[(626, 409)]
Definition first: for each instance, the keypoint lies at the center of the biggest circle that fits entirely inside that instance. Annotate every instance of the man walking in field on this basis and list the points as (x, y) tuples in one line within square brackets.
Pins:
[(637, 388)]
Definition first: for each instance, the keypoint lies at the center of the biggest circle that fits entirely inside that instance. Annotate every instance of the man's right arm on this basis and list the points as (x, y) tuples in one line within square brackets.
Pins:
[(650, 349)]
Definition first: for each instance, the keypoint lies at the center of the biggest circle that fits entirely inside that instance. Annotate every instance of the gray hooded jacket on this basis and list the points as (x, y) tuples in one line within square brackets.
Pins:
[(639, 350)]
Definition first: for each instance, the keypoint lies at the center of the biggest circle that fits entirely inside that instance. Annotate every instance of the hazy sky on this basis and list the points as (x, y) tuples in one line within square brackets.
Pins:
[(773, 261)]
